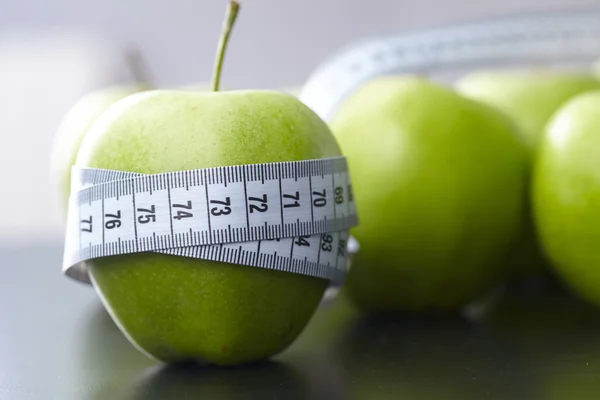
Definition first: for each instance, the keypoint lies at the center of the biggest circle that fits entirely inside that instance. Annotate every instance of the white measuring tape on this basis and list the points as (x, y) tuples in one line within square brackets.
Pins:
[(289, 216), (534, 38)]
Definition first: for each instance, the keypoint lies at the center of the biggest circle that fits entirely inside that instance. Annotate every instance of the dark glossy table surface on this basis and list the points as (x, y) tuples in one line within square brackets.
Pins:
[(57, 342)]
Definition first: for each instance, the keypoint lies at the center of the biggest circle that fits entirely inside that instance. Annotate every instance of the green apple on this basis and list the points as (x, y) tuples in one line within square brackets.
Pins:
[(175, 308), (529, 97), (439, 181), (566, 194)]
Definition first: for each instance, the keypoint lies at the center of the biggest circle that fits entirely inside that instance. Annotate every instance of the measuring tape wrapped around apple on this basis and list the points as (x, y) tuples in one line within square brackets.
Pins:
[(289, 216), (211, 223)]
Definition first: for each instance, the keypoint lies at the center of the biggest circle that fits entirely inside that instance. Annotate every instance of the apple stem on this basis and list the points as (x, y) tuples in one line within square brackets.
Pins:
[(138, 66), (230, 16)]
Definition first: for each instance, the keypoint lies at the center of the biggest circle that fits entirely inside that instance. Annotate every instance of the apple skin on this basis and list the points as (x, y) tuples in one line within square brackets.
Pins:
[(176, 308), (566, 194), (530, 98), (439, 184), (73, 129)]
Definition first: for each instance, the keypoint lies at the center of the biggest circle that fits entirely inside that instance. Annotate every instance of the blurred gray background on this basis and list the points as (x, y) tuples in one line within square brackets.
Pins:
[(52, 52)]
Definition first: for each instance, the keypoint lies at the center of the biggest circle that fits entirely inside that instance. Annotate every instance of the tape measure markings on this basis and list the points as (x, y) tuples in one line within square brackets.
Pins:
[(223, 231), (257, 254), (149, 185)]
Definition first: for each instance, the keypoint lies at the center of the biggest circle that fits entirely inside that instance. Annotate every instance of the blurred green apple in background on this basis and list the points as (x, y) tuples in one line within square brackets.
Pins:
[(75, 126), (439, 182), (529, 97), (567, 194), (77, 121)]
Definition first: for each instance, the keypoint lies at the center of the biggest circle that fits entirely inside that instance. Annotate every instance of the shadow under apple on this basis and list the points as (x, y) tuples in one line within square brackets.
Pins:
[(572, 371), (427, 357), (114, 369), (559, 337), (539, 321), (263, 380), (104, 346)]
